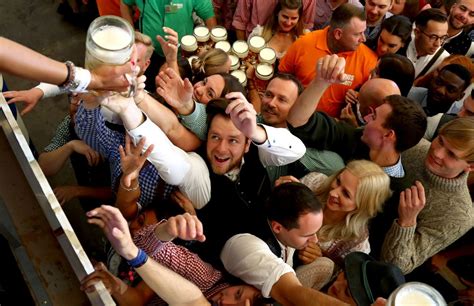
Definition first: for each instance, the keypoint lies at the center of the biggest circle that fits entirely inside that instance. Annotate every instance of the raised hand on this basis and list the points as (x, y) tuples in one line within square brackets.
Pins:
[(170, 45), (176, 92), (185, 226), (310, 253), (330, 69), (111, 77), (348, 115), (113, 284), (412, 201), (29, 97), (115, 228), (65, 194), (244, 116), (93, 157), (117, 103), (352, 96), (132, 159), (286, 179)]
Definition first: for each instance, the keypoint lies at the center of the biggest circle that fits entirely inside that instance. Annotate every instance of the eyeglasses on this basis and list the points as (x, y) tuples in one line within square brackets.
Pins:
[(434, 37)]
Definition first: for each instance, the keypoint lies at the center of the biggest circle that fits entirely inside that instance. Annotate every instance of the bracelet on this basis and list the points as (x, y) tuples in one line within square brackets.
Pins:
[(138, 261), (129, 189), (70, 73)]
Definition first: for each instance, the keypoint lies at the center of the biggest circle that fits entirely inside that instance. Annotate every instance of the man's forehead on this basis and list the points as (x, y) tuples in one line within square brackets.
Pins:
[(282, 87), (223, 125)]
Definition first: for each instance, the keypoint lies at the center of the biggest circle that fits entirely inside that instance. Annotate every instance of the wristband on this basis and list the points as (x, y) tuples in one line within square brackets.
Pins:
[(82, 79), (49, 90), (138, 261)]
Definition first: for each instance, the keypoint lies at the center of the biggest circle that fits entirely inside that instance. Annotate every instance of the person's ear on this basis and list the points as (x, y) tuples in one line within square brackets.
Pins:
[(276, 227), (470, 167), (337, 33), (147, 63), (247, 145)]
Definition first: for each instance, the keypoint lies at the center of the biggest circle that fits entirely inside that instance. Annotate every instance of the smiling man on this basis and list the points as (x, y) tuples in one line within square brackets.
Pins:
[(438, 209), (460, 19), (376, 11)]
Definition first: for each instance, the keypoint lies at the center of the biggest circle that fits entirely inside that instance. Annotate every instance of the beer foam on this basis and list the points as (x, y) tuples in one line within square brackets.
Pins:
[(240, 46), (267, 54), (257, 41), (240, 75), (111, 38), (234, 60), (264, 69), (201, 31), (223, 45), (219, 32), (188, 40), (410, 297)]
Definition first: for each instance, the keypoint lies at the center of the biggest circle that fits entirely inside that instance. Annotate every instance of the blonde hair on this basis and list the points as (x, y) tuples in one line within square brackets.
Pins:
[(460, 134), (141, 38), (373, 189), (272, 24), (209, 63)]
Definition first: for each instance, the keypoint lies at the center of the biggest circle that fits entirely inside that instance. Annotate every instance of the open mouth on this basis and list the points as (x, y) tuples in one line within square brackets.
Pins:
[(221, 160)]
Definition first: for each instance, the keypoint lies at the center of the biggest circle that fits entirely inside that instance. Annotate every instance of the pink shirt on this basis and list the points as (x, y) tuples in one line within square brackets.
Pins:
[(250, 13), (323, 12)]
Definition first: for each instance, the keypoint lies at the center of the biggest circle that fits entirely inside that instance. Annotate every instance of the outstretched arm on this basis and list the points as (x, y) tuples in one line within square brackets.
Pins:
[(166, 283), (329, 69), (21, 61)]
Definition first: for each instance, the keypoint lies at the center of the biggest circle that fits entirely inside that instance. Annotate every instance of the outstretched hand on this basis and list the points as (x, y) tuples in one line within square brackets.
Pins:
[(185, 226), (412, 201), (117, 103), (110, 77), (244, 116), (330, 69), (170, 45), (176, 92), (115, 228), (132, 159), (113, 284), (29, 97)]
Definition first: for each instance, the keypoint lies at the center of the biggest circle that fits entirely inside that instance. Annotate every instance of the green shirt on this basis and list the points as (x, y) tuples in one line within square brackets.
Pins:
[(175, 14)]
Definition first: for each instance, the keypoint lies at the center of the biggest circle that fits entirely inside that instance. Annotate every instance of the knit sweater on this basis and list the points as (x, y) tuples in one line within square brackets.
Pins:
[(447, 215)]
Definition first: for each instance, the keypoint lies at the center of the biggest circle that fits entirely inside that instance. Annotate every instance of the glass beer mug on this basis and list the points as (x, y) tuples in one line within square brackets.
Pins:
[(110, 41)]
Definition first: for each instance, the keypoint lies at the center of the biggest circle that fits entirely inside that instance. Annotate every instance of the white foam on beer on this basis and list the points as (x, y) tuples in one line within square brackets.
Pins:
[(267, 54), (201, 31), (264, 69), (234, 60), (240, 75), (111, 37), (219, 32), (410, 297), (257, 42), (223, 45), (188, 40), (240, 46)]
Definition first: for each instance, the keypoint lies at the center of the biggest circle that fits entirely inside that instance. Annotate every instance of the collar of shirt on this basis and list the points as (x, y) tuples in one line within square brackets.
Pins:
[(233, 174), (395, 170)]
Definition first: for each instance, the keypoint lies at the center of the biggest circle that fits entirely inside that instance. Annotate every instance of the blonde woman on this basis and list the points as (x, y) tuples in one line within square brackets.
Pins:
[(351, 197), (214, 61)]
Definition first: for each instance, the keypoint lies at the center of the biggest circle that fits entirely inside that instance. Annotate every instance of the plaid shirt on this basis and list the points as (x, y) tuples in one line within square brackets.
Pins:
[(182, 261), (90, 126)]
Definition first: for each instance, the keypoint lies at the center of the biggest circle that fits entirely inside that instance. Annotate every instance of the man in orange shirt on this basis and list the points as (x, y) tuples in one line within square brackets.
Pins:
[(344, 36)]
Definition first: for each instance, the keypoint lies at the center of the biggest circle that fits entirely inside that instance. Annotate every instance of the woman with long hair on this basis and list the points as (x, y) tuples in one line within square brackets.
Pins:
[(283, 28)]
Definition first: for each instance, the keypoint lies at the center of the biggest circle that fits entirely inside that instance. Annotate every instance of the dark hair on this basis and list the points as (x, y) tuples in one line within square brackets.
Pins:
[(411, 9), (460, 71), (216, 107), (184, 68), (407, 119), (288, 202), (399, 69), (272, 23), (290, 77), (343, 14), (231, 84), (433, 14), (398, 25)]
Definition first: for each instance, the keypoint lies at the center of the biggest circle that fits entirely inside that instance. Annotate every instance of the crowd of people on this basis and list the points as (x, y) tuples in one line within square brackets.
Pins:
[(333, 185)]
